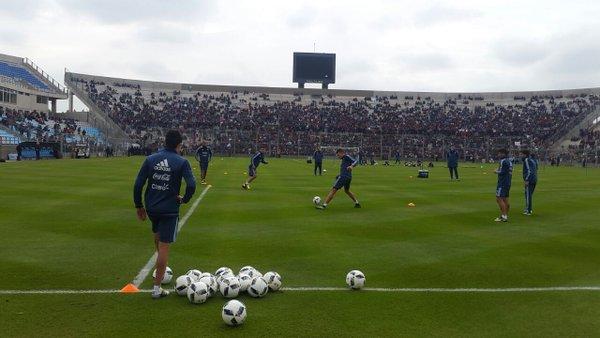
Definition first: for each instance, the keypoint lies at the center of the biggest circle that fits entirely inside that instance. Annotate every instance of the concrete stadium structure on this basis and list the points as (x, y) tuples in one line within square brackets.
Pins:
[(101, 120)]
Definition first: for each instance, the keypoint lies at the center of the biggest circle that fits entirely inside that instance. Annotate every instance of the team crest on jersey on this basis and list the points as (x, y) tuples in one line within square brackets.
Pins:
[(162, 165)]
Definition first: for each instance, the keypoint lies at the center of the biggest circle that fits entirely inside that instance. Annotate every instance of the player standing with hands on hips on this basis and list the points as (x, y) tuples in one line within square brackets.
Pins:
[(343, 180), (504, 172), (452, 158), (203, 156), (161, 173)]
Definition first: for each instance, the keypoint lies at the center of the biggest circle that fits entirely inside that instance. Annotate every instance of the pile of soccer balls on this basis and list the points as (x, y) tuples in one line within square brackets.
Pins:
[(199, 286)]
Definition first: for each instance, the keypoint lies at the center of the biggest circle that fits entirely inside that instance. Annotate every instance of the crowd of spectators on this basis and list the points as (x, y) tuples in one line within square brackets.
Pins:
[(415, 126), (41, 127)]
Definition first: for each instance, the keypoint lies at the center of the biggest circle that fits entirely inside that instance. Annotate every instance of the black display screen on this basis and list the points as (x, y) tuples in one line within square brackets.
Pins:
[(314, 67)]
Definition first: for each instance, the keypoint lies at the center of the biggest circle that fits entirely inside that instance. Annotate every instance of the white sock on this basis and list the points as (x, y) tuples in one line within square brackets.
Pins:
[(356, 202), (156, 289), (505, 216)]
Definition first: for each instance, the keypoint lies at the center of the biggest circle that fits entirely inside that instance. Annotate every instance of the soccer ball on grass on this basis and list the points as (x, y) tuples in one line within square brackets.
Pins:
[(355, 279), (167, 277), (197, 293), (234, 313)]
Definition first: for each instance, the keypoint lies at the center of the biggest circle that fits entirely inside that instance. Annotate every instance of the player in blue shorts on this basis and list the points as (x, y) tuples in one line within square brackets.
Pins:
[(343, 180), (203, 156), (504, 172), (256, 160), (530, 166), (161, 173)]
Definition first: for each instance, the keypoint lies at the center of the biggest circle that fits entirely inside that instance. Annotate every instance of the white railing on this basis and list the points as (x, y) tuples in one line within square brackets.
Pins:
[(9, 140), (45, 75)]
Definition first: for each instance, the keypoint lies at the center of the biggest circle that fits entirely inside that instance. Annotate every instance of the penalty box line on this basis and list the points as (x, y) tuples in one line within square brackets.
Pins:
[(141, 276), (325, 289)]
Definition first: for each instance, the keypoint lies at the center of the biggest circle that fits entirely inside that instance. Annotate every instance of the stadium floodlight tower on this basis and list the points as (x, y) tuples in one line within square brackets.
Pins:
[(314, 68)]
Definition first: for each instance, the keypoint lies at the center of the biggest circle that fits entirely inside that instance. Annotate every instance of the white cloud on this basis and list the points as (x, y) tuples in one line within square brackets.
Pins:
[(382, 44)]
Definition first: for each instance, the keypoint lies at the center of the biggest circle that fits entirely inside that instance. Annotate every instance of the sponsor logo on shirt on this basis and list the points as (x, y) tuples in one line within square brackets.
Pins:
[(163, 166)]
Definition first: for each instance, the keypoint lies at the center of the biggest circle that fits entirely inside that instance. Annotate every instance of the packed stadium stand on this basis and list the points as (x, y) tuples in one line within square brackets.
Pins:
[(28, 97), (46, 127), (289, 121)]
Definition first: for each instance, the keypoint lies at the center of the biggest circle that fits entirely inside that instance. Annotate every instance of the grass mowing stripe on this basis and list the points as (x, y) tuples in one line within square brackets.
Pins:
[(141, 276)]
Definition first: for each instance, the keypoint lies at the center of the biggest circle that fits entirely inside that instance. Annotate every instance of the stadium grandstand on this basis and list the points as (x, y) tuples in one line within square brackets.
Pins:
[(28, 109), (382, 124)]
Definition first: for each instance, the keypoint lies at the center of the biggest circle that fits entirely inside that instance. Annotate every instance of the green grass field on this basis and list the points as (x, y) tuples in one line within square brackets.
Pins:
[(71, 224)]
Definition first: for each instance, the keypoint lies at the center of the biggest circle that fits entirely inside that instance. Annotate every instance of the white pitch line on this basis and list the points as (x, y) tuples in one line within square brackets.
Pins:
[(52, 292), (141, 276), (325, 289), (457, 290)]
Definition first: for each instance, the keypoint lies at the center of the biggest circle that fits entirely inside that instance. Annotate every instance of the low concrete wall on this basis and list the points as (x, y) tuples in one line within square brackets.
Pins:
[(164, 86)]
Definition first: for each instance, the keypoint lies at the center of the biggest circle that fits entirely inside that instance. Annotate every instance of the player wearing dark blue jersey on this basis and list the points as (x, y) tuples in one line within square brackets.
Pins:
[(452, 161), (255, 161), (504, 172), (530, 166), (203, 156), (343, 179), (161, 173), (318, 157)]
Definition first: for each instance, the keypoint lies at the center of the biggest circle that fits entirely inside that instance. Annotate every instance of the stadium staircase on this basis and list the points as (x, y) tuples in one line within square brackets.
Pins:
[(565, 140), (113, 133)]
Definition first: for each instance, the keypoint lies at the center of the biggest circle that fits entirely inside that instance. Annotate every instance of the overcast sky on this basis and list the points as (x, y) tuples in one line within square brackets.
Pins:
[(388, 45)]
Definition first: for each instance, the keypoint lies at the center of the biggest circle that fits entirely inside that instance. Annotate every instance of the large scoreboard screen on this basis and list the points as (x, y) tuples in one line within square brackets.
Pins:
[(314, 68)]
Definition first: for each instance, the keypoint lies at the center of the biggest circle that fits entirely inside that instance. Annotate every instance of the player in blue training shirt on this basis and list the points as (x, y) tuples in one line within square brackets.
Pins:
[(203, 156), (161, 173), (452, 158), (256, 160), (504, 172), (318, 157), (343, 180), (530, 178)]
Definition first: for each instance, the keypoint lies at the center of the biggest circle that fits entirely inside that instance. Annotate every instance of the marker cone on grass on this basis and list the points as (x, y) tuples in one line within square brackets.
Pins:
[(130, 288)]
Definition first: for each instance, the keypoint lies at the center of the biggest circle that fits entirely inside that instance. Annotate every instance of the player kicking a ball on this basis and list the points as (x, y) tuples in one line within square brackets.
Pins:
[(256, 160), (504, 172), (343, 180), (161, 173)]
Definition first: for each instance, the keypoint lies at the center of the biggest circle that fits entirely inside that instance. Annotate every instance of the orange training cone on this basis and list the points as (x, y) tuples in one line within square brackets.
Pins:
[(130, 288)]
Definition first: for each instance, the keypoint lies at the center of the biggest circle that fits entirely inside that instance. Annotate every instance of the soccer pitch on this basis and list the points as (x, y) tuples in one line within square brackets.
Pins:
[(70, 225)]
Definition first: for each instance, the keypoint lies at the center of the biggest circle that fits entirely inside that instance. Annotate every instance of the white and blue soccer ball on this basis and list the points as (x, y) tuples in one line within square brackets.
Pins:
[(167, 277), (251, 272), (206, 274), (246, 269), (230, 287), (258, 287), (234, 313), (356, 279), (245, 281), (182, 283), (211, 282), (197, 293), (273, 280), (317, 200), (224, 271), (195, 274)]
